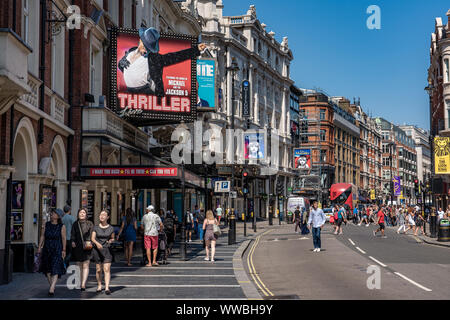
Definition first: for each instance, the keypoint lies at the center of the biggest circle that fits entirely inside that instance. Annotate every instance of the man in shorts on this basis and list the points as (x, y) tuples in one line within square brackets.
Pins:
[(219, 213), (380, 221), (151, 223)]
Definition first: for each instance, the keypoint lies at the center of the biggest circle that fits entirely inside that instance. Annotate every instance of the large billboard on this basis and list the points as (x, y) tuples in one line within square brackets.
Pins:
[(302, 158), (206, 83), (442, 155), (153, 76), (254, 145)]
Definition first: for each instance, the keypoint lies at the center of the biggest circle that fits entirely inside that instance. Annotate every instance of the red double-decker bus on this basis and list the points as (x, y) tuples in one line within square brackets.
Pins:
[(344, 193)]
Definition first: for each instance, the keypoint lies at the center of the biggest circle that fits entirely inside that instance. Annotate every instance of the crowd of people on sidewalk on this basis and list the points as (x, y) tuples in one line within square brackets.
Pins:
[(66, 238)]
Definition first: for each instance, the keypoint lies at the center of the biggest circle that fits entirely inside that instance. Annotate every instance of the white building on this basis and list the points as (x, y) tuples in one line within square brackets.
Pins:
[(265, 63)]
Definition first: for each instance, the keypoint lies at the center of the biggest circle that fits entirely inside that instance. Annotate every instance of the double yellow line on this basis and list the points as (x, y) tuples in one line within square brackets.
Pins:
[(252, 269)]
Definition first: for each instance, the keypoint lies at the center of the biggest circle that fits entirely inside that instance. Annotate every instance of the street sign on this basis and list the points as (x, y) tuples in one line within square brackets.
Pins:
[(233, 194), (245, 98), (222, 186)]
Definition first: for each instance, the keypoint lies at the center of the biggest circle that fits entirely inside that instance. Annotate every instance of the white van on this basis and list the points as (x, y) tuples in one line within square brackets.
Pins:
[(294, 202)]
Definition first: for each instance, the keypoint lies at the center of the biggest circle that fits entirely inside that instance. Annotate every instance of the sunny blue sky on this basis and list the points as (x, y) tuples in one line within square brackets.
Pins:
[(335, 51)]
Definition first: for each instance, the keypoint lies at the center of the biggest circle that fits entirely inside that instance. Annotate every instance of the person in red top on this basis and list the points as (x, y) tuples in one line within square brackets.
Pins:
[(380, 221)]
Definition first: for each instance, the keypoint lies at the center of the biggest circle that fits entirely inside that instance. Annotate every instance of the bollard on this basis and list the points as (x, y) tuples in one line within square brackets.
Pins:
[(232, 229), (243, 216), (444, 230), (433, 226)]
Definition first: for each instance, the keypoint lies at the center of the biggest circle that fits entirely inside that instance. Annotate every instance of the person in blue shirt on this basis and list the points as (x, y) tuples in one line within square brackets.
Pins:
[(355, 215), (316, 219), (341, 218), (68, 220)]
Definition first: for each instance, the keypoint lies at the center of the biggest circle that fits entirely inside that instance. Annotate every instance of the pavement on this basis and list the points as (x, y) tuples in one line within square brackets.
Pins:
[(178, 280), (406, 268)]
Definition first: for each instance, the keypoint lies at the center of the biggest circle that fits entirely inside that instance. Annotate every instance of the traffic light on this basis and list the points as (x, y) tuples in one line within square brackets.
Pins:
[(416, 187), (245, 189)]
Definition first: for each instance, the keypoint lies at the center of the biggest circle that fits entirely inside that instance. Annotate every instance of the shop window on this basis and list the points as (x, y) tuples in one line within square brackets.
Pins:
[(130, 158), (110, 153), (91, 151)]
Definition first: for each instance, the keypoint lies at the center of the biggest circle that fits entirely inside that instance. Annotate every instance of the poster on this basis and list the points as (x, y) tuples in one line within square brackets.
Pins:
[(154, 75), (397, 186), (90, 205), (302, 158), (442, 155), (206, 83), (18, 197), (254, 145)]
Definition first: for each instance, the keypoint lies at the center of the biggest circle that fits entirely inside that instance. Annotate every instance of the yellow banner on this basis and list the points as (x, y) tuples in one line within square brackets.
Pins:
[(372, 195), (442, 155)]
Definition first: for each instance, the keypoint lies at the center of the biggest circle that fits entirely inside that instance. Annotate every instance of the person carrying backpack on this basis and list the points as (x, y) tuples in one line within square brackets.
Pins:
[(189, 225), (340, 218), (170, 229)]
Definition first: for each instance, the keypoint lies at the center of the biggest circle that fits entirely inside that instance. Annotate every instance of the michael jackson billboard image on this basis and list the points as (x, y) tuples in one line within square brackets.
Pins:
[(153, 75), (302, 158)]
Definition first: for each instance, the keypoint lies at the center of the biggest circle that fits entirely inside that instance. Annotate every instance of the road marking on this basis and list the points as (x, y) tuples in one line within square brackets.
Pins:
[(42, 299), (360, 250), (168, 286), (252, 268), (351, 241), (380, 263), (170, 275), (413, 282), (176, 268)]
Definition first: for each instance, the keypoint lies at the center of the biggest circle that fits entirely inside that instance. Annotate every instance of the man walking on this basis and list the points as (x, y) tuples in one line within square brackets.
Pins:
[(317, 219), (151, 223), (380, 221), (68, 220), (297, 219)]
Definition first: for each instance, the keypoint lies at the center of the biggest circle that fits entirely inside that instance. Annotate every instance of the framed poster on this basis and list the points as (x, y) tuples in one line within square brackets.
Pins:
[(90, 205), (206, 84), (153, 76), (18, 195), (254, 145), (302, 158), (47, 203)]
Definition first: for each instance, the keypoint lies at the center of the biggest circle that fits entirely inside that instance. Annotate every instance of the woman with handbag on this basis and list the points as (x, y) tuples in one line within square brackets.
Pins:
[(102, 237), (82, 245), (129, 224), (212, 232)]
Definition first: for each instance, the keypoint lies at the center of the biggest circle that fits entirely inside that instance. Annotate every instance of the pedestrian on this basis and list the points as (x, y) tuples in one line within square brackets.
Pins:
[(68, 220), (200, 219), (304, 221), (129, 224), (151, 224), (298, 221), (82, 245), (420, 222), (341, 218), (316, 219), (162, 241), (440, 214), (401, 220), (219, 212), (195, 215), (189, 225), (355, 215), (410, 221), (170, 228), (210, 235), (102, 237), (380, 222), (52, 248)]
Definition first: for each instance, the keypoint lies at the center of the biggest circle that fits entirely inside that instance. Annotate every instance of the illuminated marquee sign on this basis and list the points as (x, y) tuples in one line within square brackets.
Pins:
[(133, 172), (150, 86)]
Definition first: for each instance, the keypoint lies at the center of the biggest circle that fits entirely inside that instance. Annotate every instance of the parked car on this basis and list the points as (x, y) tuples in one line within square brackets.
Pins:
[(328, 213)]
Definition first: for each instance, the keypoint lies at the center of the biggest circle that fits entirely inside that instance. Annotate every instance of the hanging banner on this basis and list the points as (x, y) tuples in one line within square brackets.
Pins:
[(153, 76), (442, 155), (397, 186), (206, 84), (302, 158), (372, 195), (254, 145)]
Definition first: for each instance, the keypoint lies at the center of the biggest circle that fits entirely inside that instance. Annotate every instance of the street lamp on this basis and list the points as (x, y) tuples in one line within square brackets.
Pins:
[(232, 226), (433, 218), (269, 142), (183, 246)]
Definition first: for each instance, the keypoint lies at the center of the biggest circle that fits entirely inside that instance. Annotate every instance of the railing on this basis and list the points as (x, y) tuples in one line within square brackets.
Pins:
[(33, 97), (58, 108)]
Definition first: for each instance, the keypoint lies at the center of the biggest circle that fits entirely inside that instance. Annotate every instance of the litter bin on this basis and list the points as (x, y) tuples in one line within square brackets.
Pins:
[(444, 230)]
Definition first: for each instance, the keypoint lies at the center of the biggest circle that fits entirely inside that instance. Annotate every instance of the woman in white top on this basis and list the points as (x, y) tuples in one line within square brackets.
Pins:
[(410, 221)]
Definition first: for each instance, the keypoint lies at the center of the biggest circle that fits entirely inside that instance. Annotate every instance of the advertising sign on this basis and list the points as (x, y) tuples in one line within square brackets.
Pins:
[(133, 172), (442, 155), (372, 195), (302, 158), (206, 84), (153, 76), (397, 186), (222, 186), (254, 145), (245, 98)]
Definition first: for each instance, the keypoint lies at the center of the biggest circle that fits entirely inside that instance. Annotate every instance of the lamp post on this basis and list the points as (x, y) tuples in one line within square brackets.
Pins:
[(269, 142), (433, 218), (183, 245), (232, 224)]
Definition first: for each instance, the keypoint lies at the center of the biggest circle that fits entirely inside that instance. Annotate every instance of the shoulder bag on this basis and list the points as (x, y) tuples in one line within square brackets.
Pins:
[(216, 230), (87, 245)]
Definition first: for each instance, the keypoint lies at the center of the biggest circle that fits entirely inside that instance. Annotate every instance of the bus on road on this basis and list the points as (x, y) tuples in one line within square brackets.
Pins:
[(344, 194)]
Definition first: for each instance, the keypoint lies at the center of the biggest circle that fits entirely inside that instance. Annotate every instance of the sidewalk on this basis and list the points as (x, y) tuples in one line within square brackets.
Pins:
[(426, 238), (31, 285)]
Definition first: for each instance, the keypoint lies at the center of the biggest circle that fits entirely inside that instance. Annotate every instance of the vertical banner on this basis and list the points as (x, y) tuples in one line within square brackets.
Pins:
[(397, 186), (245, 99), (206, 84), (254, 145), (302, 158), (442, 155)]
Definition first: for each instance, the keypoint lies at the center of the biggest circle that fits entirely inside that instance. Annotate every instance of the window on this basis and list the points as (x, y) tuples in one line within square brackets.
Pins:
[(322, 135), (322, 114), (113, 9), (447, 102), (25, 22), (127, 13), (323, 155), (446, 71), (96, 69), (58, 73)]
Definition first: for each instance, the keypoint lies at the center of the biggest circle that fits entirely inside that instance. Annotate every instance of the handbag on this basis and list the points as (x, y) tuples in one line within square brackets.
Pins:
[(216, 230), (37, 262), (87, 245)]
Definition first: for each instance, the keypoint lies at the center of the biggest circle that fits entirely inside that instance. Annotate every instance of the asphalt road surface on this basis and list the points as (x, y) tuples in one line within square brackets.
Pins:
[(287, 268)]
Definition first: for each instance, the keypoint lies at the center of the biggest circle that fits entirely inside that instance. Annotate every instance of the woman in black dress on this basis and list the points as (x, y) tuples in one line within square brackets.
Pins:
[(52, 247), (102, 237), (81, 233)]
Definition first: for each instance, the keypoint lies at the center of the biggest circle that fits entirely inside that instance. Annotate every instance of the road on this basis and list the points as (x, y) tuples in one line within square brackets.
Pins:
[(285, 266)]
